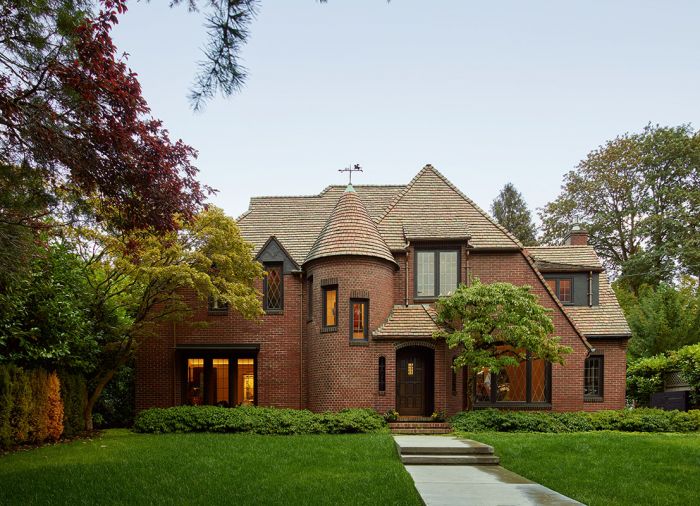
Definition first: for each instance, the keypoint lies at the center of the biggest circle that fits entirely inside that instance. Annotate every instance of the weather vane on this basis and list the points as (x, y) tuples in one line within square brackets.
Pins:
[(350, 170)]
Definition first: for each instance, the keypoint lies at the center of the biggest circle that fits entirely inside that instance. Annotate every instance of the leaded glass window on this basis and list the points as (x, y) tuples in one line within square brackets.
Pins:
[(524, 383), (425, 274), (437, 272), (273, 288)]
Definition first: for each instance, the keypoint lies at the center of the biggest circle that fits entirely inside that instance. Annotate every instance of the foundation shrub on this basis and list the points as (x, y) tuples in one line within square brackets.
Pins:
[(54, 408), (39, 411), (257, 420), (628, 420), (74, 398)]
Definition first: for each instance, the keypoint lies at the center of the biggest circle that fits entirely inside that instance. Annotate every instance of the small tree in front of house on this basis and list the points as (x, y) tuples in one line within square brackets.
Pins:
[(497, 325)]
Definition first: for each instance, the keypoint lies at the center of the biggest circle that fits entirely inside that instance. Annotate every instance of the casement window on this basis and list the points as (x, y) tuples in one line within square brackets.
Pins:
[(593, 378), (359, 319), (219, 379), (309, 298), (330, 307), (217, 307), (529, 382), (437, 272), (563, 288), (382, 374), (273, 288)]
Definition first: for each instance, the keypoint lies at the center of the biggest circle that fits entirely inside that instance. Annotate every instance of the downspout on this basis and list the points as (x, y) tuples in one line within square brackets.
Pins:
[(301, 340), (469, 272), (405, 298), (590, 288)]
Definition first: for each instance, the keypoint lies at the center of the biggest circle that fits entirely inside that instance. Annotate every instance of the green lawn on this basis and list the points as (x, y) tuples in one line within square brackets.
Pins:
[(126, 468), (606, 468)]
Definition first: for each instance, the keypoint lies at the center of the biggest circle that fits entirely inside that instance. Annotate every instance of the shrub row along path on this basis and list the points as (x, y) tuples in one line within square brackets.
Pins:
[(449, 471)]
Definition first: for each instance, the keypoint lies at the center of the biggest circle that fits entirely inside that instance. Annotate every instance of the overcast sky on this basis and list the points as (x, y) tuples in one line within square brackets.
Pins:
[(487, 92)]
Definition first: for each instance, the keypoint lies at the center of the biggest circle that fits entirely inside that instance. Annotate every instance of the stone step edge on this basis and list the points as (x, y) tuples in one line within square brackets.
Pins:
[(449, 460), (420, 431), (420, 425), (448, 450)]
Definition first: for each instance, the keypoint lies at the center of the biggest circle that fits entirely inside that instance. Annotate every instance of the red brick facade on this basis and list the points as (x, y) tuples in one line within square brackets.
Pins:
[(300, 364)]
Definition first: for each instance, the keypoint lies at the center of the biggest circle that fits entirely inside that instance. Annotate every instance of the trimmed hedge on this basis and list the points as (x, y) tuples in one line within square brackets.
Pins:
[(628, 420), (31, 410), (74, 398), (257, 420)]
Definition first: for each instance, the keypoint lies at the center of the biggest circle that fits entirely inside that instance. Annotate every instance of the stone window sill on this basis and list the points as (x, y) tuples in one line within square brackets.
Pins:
[(593, 399), (326, 330), (274, 311)]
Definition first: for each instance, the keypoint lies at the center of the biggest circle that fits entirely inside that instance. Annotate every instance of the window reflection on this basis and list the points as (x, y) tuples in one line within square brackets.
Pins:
[(195, 381), (246, 381)]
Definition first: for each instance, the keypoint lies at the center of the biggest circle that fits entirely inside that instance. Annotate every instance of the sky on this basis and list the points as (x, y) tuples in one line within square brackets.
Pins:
[(487, 92)]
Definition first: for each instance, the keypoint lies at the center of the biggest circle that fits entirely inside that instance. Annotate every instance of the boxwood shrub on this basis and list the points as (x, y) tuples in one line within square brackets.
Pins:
[(629, 420), (257, 420)]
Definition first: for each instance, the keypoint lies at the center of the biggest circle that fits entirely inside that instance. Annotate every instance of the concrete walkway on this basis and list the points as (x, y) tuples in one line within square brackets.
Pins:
[(451, 484)]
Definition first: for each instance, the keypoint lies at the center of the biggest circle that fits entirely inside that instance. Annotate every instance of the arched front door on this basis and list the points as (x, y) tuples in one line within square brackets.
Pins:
[(414, 381)]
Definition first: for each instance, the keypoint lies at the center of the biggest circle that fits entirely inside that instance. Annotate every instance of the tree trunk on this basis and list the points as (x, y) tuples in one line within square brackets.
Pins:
[(92, 398)]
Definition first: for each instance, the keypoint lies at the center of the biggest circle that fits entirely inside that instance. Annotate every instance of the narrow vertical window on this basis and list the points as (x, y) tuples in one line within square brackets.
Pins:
[(448, 272), (382, 374), (593, 378), (454, 377), (310, 298), (246, 381), (330, 306), (220, 376), (425, 274), (359, 319), (273, 289)]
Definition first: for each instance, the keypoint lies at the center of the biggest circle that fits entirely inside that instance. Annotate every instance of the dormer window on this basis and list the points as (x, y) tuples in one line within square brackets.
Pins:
[(273, 288), (563, 288), (437, 272)]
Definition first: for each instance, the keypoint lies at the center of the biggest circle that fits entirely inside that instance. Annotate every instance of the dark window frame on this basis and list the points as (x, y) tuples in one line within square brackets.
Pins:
[(310, 301), (494, 402), (454, 376), (214, 309), (382, 375), (267, 309), (324, 302), (436, 252), (208, 356), (601, 378), (351, 319), (556, 290)]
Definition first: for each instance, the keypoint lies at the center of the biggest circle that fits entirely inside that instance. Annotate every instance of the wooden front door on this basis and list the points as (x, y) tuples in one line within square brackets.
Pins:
[(413, 381)]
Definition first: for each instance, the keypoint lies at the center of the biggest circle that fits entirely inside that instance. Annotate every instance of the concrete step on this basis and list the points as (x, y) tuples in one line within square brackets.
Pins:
[(450, 460), (474, 449), (420, 425), (420, 431)]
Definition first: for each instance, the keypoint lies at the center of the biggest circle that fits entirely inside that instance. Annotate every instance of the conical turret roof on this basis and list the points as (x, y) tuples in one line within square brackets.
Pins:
[(350, 231)]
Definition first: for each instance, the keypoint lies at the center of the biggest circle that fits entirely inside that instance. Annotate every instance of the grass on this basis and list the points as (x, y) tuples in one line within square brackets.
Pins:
[(606, 468), (122, 467)]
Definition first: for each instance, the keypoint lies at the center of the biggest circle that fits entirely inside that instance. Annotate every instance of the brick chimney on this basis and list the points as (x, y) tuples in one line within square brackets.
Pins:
[(577, 237)]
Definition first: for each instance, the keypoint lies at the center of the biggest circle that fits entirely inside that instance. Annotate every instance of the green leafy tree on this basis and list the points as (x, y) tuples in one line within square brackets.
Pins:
[(136, 282), (511, 211), (662, 318), (496, 325), (638, 197)]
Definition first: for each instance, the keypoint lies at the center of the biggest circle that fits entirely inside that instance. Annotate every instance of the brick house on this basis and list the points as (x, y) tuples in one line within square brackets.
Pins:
[(353, 274)]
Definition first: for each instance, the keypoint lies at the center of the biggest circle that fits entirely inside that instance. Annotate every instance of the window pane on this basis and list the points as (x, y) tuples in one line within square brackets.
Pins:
[(512, 383), (539, 368), (483, 386), (273, 287), (358, 320), (195, 381), (220, 378), (246, 381), (592, 384), (565, 290), (425, 273), (331, 319), (448, 272)]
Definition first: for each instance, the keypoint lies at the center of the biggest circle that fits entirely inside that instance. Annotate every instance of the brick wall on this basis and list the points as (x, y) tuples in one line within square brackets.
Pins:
[(614, 353)]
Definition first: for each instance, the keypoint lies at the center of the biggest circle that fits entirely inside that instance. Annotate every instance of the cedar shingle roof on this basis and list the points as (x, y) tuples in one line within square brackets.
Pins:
[(556, 258), (297, 221), (350, 231), (417, 320), (431, 199), (605, 319)]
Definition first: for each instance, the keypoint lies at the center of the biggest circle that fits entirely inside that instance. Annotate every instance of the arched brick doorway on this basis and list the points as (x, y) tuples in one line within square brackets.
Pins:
[(415, 366)]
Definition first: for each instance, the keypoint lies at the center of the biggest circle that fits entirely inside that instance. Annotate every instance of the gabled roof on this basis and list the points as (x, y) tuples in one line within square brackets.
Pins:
[(350, 231), (416, 320), (431, 199), (604, 320)]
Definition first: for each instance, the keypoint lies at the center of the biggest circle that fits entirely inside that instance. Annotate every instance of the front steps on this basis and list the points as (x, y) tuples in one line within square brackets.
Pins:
[(419, 427), (445, 451)]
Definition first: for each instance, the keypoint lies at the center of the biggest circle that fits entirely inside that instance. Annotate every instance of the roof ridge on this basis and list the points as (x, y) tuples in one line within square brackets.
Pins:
[(403, 192), (561, 246), (476, 206)]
